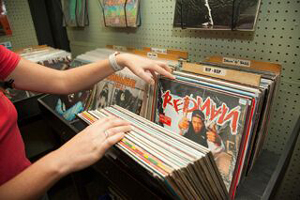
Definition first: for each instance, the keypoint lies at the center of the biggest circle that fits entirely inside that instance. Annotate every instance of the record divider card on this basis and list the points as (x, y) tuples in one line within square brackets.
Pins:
[(181, 54), (225, 74), (252, 64)]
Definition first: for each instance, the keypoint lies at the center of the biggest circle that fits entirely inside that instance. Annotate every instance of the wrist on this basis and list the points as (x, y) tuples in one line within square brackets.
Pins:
[(115, 61), (58, 164), (122, 60)]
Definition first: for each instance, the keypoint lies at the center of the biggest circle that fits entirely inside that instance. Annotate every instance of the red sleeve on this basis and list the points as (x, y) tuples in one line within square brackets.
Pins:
[(8, 62)]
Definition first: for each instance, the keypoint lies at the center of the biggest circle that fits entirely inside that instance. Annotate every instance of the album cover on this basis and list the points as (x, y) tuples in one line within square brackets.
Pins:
[(211, 118), (70, 105), (129, 91), (4, 23), (213, 14), (104, 93), (75, 13), (114, 13), (60, 63), (132, 13)]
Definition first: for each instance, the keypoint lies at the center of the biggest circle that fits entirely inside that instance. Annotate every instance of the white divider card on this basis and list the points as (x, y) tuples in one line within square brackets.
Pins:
[(237, 62), (157, 50), (215, 70), (152, 55)]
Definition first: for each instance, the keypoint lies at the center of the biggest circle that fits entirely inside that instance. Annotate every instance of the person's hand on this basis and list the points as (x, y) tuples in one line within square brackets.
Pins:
[(89, 146), (213, 137), (144, 68), (184, 124)]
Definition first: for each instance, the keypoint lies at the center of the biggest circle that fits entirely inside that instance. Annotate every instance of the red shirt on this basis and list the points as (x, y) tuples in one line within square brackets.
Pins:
[(12, 151)]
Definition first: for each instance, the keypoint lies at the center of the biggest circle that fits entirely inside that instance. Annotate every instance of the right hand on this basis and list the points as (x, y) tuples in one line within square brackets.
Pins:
[(88, 146), (144, 68), (184, 123)]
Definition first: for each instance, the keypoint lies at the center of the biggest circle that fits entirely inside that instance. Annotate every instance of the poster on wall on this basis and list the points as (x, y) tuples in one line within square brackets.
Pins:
[(4, 23), (121, 13), (217, 15)]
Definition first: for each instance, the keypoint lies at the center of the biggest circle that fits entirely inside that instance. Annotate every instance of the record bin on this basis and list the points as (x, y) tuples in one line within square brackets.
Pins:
[(118, 169), (132, 180), (27, 108)]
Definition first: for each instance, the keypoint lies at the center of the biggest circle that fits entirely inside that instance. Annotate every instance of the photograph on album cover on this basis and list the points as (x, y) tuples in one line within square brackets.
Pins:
[(104, 92), (213, 119), (70, 105)]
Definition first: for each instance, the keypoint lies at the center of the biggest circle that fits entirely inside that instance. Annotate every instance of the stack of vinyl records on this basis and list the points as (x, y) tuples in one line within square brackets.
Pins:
[(227, 117), (43, 55), (49, 57), (182, 168)]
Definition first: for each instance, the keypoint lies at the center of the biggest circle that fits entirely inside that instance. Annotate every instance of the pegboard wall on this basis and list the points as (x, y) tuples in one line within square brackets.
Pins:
[(23, 32), (276, 39)]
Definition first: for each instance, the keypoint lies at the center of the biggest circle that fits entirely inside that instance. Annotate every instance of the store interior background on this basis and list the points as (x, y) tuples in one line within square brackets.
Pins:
[(276, 39)]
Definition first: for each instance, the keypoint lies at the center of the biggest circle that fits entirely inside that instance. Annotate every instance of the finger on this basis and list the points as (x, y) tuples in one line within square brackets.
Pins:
[(208, 134), (153, 75), (211, 139), (165, 70), (113, 140), (119, 129), (162, 71), (165, 66), (146, 77), (114, 123), (103, 120)]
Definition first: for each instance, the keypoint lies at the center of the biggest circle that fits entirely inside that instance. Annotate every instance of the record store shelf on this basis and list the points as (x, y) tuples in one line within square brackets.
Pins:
[(276, 39), (120, 171)]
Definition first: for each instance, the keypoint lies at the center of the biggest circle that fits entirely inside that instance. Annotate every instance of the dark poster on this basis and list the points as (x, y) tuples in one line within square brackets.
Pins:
[(216, 14)]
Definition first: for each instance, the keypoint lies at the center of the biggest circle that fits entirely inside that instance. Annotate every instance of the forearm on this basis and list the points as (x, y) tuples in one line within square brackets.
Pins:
[(31, 76), (34, 77), (84, 77), (34, 181)]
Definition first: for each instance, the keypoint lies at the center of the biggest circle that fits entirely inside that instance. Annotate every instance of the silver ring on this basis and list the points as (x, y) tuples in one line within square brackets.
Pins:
[(106, 133)]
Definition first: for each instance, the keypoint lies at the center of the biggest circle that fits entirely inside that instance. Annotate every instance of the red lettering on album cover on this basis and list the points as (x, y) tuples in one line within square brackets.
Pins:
[(220, 115), (165, 120)]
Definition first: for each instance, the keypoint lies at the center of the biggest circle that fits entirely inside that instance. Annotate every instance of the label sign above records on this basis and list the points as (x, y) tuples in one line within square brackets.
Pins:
[(226, 74)]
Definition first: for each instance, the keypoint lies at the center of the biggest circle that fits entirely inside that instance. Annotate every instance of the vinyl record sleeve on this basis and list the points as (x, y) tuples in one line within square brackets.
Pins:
[(70, 105), (132, 13), (216, 15), (104, 94), (129, 91), (4, 22), (114, 13), (224, 113)]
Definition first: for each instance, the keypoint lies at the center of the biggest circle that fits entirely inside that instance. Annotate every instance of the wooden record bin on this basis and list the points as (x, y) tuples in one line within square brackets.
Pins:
[(133, 181)]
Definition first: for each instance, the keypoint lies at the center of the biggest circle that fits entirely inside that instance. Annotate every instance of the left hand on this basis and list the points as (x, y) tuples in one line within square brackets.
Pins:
[(213, 137), (144, 68)]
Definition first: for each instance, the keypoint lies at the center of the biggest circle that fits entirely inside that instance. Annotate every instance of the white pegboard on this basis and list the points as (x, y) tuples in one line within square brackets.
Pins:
[(276, 39), (19, 16)]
